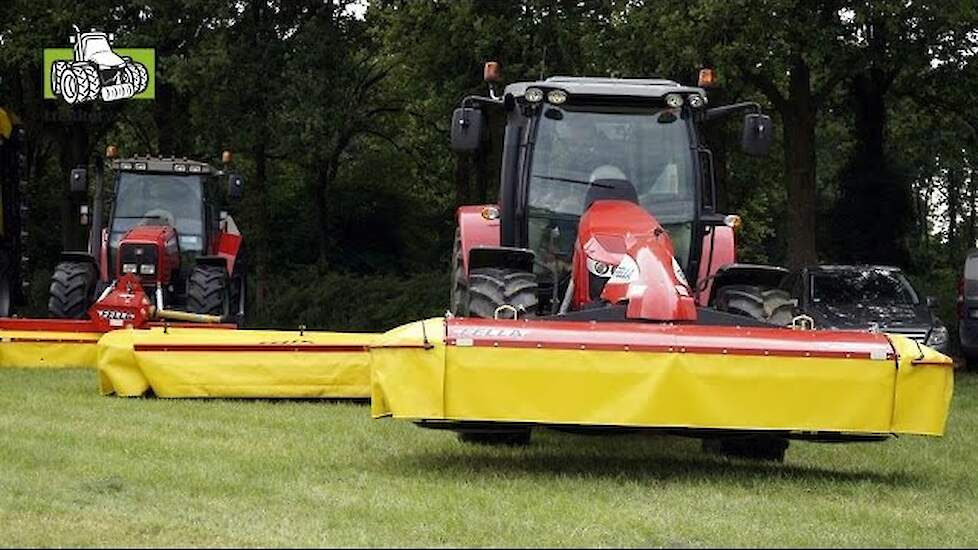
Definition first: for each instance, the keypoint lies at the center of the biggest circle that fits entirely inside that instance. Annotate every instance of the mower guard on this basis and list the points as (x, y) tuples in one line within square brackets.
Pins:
[(201, 362), (659, 375), (29, 343)]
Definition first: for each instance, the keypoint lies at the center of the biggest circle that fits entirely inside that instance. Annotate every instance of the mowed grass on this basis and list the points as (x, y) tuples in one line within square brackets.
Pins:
[(77, 469)]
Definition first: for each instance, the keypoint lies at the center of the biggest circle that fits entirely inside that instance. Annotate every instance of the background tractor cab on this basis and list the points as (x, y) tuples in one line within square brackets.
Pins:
[(591, 168), (168, 227)]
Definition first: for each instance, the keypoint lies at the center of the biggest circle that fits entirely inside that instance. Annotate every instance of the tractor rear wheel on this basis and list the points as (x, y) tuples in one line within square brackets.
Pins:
[(208, 291), (489, 288), (72, 290)]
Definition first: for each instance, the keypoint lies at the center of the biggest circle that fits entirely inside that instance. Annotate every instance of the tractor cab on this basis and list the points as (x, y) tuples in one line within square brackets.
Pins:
[(182, 200), (571, 142)]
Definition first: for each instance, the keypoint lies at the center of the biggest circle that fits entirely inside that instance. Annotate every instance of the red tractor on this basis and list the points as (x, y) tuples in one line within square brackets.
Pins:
[(168, 229), (606, 208), (601, 180)]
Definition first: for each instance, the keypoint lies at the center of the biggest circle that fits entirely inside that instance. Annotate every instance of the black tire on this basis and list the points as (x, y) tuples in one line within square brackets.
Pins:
[(72, 290), (458, 302), (208, 291), (512, 438), (93, 82), (138, 76), (773, 306), (491, 287), (767, 448), (58, 69)]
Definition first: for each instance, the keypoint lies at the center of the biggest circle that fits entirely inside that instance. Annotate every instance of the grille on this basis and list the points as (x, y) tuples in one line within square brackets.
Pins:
[(139, 254)]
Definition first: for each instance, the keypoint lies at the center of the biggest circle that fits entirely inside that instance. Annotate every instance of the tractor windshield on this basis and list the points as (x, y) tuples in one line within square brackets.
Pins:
[(160, 199), (647, 147)]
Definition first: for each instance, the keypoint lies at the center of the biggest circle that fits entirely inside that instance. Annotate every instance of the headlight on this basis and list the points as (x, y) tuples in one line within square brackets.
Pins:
[(556, 97), (937, 337), (599, 269), (674, 100), (128, 268), (533, 95), (147, 269), (626, 272)]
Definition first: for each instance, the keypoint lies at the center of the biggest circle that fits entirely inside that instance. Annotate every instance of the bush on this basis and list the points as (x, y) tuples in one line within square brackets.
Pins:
[(328, 300)]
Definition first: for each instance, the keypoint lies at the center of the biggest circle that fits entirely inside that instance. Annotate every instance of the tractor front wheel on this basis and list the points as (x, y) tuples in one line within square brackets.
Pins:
[(208, 291), (72, 290), (490, 288), (458, 299)]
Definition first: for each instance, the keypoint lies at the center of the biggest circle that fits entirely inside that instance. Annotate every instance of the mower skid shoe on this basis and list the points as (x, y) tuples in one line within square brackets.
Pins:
[(659, 375), (206, 362)]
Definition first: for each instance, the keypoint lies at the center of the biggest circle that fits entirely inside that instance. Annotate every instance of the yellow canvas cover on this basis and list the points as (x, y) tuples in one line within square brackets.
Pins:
[(30, 349), (199, 362), (417, 376)]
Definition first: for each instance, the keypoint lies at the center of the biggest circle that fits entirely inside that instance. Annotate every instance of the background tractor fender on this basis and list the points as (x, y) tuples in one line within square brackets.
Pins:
[(78, 256), (218, 261), (227, 248), (476, 230), (719, 249), (503, 257)]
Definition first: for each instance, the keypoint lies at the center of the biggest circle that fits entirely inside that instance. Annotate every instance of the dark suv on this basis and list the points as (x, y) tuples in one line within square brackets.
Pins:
[(851, 297)]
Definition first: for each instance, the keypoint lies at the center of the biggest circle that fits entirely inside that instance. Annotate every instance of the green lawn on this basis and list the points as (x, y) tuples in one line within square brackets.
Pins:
[(77, 469)]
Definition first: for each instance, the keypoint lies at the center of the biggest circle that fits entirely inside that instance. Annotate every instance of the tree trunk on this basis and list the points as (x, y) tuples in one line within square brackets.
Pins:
[(799, 116)]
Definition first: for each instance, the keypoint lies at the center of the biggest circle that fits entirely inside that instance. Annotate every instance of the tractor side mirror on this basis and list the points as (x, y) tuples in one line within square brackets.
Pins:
[(78, 180), (466, 129), (758, 134), (235, 186), (931, 302)]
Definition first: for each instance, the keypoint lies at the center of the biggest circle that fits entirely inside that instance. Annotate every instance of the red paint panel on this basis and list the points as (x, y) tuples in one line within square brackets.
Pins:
[(228, 245), (475, 230), (50, 325), (667, 337), (719, 249)]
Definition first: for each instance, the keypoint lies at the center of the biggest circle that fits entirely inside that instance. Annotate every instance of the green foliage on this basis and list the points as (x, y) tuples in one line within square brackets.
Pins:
[(325, 300)]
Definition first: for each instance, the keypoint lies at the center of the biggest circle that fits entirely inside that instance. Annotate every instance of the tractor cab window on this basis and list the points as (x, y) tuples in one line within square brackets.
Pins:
[(646, 148), (160, 199)]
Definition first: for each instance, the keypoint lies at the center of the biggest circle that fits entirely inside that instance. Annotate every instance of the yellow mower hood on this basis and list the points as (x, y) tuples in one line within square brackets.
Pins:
[(660, 376)]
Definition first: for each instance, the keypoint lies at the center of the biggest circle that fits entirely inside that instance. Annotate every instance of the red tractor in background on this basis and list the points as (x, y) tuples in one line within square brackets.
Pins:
[(168, 229)]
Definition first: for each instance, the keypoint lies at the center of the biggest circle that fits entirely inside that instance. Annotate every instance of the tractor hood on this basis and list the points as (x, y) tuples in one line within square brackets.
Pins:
[(107, 59)]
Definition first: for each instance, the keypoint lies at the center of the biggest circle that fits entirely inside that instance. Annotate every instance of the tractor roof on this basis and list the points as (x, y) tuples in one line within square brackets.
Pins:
[(171, 165), (599, 86)]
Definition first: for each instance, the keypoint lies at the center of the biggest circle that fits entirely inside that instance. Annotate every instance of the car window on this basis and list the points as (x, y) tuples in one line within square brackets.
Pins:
[(856, 287)]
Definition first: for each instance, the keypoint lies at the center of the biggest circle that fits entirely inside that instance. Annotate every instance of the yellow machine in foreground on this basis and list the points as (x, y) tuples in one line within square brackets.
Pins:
[(483, 374)]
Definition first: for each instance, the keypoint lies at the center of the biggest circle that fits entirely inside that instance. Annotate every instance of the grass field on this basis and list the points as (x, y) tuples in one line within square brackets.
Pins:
[(77, 469)]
